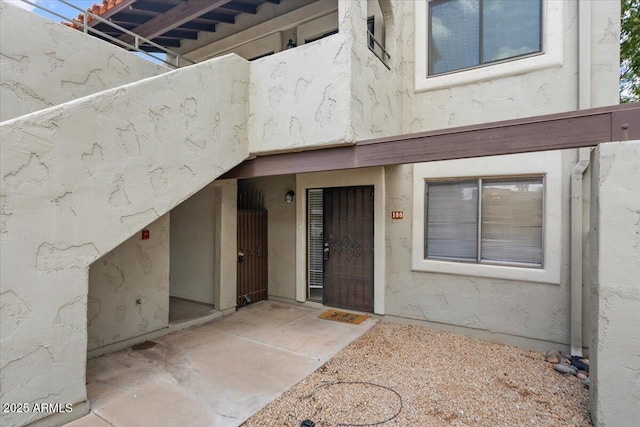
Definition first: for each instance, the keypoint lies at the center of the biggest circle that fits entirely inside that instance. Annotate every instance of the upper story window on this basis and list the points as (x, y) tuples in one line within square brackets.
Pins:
[(469, 33)]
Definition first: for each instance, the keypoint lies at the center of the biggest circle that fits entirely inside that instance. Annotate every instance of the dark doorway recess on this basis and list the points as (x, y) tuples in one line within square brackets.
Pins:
[(252, 278)]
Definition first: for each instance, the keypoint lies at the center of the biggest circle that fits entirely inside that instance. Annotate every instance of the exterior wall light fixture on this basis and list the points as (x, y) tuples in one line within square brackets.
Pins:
[(289, 196)]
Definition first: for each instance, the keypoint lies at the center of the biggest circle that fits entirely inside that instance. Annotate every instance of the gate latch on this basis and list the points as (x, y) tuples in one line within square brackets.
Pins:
[(326, 250), (240, 256)]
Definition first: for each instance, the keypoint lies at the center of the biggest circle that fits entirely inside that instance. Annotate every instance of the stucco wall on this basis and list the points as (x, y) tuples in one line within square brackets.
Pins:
[(192, 247), (536, 313), (526, 92), (615, 250), (226, 249), (293, 105), (44, 63), (75, 187), (376, 103), (129, 288), (508, 307), (281, 231)]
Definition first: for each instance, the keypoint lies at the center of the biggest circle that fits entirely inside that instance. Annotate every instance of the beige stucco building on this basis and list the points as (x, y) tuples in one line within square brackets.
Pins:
[(122, 182)]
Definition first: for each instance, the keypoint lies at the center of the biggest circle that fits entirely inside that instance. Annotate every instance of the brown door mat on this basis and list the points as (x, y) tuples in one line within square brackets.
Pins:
[(341, 316)]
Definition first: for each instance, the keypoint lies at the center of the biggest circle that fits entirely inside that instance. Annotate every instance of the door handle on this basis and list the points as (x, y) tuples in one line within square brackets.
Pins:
[(325, 251), (241, 256)]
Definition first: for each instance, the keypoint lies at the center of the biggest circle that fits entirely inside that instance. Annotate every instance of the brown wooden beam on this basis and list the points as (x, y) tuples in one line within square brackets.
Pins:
[(198, 26), (173, 18), (218, 17), (180, 34), (241, 7), (128, 18), (166, 42), (552, 132), (152, 6)]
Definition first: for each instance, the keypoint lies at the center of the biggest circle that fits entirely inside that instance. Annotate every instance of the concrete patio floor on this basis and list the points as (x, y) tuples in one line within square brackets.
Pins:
[(217, 374)]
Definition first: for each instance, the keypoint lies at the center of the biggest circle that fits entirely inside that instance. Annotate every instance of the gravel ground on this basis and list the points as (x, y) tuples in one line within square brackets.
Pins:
[(426, 377)]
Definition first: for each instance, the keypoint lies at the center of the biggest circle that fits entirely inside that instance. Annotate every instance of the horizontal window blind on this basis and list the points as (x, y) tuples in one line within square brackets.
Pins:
[(485, 220), (315, 225), (468, 33), (452, 220), (512, 221)]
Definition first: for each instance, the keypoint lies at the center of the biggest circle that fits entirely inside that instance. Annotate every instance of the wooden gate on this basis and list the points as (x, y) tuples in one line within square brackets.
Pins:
[(348, 248), (252, 257)]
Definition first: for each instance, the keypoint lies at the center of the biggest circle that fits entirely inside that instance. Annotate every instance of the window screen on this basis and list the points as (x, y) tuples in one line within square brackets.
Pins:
[(485, 220), (469, 33), (452, 220)]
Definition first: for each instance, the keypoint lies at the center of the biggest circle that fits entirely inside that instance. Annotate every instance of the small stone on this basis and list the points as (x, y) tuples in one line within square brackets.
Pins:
[(585, 373), (552, 356), (564, 369), (586, 382), (581, 375), (580, 365)]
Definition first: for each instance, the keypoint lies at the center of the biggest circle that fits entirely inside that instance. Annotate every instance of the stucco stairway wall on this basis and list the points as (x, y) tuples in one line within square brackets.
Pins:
[(615, 250), (43, 63), (293, 105), (80, 178), (129, 288)]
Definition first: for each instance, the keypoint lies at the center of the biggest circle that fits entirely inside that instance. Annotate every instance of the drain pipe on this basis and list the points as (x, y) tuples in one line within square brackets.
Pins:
[(576, 251), (584, 101)]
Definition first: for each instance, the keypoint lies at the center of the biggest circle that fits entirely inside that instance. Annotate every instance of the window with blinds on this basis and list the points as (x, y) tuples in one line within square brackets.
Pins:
[(315, 225), (465, 34), (485, 220)]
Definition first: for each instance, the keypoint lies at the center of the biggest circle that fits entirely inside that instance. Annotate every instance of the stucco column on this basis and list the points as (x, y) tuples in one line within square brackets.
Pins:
[(225, 258), (615, 249)]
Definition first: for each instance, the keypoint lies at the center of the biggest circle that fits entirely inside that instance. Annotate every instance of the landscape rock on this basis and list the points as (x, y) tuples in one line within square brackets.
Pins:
[(576, 361), (564, 369), (552, 356), (470, 389)]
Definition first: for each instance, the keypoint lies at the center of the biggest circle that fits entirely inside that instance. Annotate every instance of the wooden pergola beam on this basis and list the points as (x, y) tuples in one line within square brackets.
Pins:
[(173, 18), (242, 7), (577, 129)]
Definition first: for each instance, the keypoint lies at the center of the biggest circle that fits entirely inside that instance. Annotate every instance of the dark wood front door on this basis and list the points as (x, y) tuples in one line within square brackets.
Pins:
[(252, 256), (348, 248)]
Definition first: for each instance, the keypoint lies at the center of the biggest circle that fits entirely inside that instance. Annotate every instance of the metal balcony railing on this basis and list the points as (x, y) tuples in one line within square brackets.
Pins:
[(137, 45), (378, 50)]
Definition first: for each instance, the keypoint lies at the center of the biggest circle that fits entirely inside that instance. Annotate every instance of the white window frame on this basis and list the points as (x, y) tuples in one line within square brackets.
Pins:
[(480, 181), (551, 55), (548, 164)]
